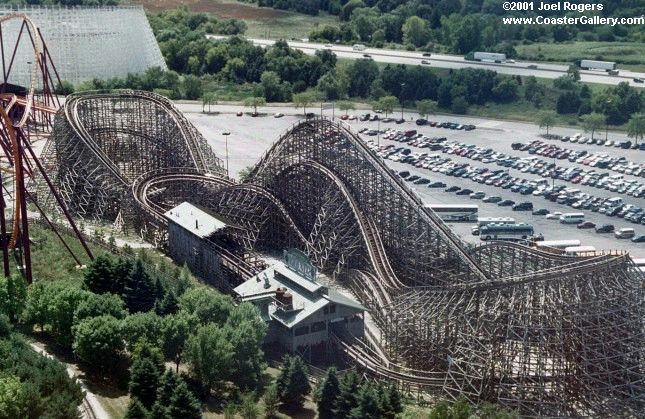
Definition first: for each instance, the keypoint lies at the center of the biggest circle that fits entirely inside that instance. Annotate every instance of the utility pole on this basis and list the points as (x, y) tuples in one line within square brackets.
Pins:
[(226, 134)]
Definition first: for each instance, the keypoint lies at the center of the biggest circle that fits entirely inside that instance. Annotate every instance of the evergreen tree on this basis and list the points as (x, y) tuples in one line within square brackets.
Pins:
[(367, 403), (248, 406), (159, 411), (271, 401), (122, 269), (395, 399), (167, 384), (136, 410), (384, 405), (99, 275), (139, 290), (183, 404), (327, 394), (145, 373), (295, 385), (347, 399), (169, 304)]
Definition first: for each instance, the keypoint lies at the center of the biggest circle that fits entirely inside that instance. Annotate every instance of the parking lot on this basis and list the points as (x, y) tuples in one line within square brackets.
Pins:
[(251, 137)]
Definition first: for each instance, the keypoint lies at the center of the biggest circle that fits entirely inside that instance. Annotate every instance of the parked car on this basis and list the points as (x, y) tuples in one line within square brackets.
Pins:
[(465, 191), (639, 239), (605, 228), (278, 115), (541, 211), (404, 174), (437, 185), (554, 215), (453, 189), (506, 203), (477, 195), (586, 224), (625, 233), (492, 199), (523, 206), (240, 113)]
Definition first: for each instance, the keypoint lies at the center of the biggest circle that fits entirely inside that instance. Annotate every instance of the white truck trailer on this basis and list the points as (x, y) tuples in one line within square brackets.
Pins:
[(596, 65)]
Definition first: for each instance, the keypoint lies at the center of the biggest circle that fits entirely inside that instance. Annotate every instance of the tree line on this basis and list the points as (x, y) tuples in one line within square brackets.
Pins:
[(451, 25)]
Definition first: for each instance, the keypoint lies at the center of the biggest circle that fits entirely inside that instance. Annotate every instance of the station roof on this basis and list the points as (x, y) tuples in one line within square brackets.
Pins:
[(194, 219), (308, 296)]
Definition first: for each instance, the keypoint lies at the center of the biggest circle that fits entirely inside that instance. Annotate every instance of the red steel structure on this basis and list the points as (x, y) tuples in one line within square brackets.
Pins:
[(26, 114)]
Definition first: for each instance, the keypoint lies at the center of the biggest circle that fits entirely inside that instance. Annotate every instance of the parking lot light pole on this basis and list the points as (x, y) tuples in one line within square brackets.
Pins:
[(378, 133), (402, 87), (226, 134)]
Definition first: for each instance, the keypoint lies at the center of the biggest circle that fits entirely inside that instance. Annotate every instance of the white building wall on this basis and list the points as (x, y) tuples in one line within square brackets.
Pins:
[(86, 42)]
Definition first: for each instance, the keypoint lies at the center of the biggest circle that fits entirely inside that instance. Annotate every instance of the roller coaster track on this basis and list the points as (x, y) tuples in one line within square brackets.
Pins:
[(145, 183)]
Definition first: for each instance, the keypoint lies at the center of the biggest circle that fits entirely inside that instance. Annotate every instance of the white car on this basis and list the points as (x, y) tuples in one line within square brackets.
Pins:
[(278, 115), (554, 215), (329, 46)]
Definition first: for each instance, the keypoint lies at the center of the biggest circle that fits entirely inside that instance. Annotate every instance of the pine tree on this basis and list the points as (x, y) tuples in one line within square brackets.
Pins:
[(145, 374), (167, 305), (394, 396), (271, 401), (136, 410), (296, 386), (167, 383), (139, 290), (368, 403), (384, 405), (159, 411), (327, 395), (248, 406), (122, 269), (160, 291), (99, 276), (183, 404), (347, 399)]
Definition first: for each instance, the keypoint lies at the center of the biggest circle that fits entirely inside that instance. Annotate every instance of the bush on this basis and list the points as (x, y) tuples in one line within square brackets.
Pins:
[(98, 341)]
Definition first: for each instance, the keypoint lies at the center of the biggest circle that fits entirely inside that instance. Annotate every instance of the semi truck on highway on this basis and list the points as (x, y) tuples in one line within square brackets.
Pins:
[(486, 56), (607, 66)]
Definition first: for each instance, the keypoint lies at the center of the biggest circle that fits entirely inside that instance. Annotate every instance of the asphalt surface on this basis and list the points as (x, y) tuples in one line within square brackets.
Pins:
[(251, 137), (543, 70)]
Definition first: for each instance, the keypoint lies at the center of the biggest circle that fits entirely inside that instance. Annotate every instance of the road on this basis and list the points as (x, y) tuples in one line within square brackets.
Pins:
[(251, 137), (544, 70)]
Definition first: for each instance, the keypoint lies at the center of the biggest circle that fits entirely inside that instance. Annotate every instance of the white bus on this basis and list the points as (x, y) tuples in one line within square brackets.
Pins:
[(521, 231), (639, 262), (482, 221), (580, 251), (455, 212), (558, 244), (359, 47), (572, 218)]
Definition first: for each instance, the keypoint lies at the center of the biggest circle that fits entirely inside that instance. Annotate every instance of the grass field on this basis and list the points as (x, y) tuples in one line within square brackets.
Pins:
[(262, 22), (629, 55)]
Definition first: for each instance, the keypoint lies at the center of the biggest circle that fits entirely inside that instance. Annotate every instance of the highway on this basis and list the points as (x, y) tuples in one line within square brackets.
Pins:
[(543, 70)]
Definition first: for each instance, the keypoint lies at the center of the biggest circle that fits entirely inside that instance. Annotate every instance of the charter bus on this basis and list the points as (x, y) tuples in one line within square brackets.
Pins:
[(557, 244), (455, 212), (580, 251), (519, 231), (482, 221)]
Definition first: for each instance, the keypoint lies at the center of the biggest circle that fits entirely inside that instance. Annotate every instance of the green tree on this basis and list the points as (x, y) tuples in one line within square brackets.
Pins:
[(174, 334), (546, 120), (169, 304), (636, 127), (347, 399), (387, 104), (271, 400), (140, 327), (248, 406), (13, 398), (99, 305), (293, 384), (254, 102), (98, 341), (246, 334), (208, 99), (136, 410), (62, 301), (207, 304), (573, 72), (139, 289), (367, 403), (209, 353), (346, 106), (394, 396), (459, 105), (304, 100), (145, 373), (327, 394), (333, 85), (593, 122), (427, 106), (99, 275), (167, 384), (13, 296), (415, 31), (192, 87), (183, 403)]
